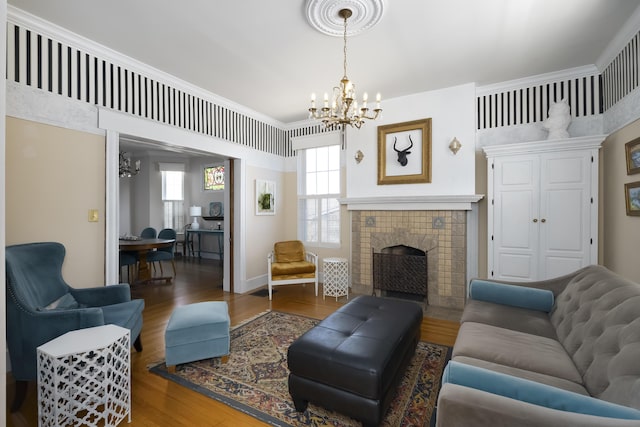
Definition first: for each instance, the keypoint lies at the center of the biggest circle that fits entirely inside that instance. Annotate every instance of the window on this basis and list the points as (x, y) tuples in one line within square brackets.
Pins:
[(318, 193), (214, 178), (173, 198)]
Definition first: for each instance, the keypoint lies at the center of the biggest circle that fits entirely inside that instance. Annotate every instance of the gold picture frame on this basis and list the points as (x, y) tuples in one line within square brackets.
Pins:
[(632, 198), (404, 153), (632, 151)]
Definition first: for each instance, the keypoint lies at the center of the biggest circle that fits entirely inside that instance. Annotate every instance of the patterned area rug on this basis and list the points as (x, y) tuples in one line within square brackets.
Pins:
[(254, 380)]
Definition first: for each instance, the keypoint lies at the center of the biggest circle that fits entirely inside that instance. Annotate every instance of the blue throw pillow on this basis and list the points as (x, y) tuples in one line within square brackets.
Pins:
[(516, 296), (65, 302), (533, 392)]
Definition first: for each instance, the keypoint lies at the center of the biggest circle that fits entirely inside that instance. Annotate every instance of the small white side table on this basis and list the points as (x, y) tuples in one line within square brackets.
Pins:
[(84, 378), (336, 277)]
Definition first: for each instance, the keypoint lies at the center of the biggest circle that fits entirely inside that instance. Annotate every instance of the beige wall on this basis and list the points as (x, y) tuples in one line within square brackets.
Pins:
[(264, 230), (481, 188), (54, 176), (619, 233)]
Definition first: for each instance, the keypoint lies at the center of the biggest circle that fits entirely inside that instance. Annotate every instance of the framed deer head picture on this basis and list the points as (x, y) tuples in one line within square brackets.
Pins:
[(404, 152)]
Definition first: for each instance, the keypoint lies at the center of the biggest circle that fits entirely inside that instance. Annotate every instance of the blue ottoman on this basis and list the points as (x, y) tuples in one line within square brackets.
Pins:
[(197, 331)]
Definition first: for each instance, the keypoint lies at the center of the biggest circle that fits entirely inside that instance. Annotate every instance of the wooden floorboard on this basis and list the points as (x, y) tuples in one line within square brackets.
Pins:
[(159, 402)]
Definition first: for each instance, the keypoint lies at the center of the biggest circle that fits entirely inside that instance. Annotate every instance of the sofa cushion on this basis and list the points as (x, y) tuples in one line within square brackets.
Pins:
[(517, 319), (515, 349), (523, 373), (511, 295), (125, 314), (597, 319), (289, 251)]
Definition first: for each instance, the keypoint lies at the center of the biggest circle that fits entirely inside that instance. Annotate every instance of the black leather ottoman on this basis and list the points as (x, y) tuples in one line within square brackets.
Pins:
[(352, 361)]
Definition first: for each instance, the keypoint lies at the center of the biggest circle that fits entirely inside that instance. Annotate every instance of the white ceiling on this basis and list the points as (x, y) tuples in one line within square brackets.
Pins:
[(265, 55)]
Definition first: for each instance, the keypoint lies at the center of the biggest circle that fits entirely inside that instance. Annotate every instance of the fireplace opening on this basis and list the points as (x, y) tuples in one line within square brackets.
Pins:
[(401, 272)]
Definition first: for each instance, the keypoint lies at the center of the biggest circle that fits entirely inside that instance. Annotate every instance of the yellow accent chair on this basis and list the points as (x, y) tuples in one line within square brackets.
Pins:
[(289, 263)]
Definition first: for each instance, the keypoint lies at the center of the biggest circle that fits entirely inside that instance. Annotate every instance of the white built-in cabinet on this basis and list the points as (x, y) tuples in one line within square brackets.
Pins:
[(542, 208)]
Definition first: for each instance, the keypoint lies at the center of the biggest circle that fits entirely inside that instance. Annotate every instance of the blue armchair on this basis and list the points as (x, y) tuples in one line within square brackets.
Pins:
[(42, 306)]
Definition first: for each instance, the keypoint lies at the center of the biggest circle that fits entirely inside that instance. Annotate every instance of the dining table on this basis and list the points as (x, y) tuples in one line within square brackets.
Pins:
[(142, 247)]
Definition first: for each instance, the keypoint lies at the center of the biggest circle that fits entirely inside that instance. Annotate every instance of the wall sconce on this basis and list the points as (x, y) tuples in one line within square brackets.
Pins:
[(455, 145), (359, 156)]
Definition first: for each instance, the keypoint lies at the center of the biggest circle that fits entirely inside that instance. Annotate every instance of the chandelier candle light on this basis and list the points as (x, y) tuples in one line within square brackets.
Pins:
[(344, 106)]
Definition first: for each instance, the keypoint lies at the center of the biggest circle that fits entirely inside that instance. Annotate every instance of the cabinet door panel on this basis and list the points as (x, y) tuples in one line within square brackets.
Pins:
[(515, 247), (564, 222), (564, 205), (517, 267), (516, 209)]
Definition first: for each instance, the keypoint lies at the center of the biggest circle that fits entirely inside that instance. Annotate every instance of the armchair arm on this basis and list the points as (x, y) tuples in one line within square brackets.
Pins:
[(515, 296), (30, 329), (102, 295), (532, 392), (311, 257)]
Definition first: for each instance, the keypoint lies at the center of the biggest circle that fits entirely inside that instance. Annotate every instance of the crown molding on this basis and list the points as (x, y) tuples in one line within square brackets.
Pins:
[(24, 19), (533, 147)]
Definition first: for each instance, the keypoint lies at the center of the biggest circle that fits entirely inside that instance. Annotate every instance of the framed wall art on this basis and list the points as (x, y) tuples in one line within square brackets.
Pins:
[(213, 178), (632, 198), (632, 150), (404, 152), (265, 197), (216, 210)]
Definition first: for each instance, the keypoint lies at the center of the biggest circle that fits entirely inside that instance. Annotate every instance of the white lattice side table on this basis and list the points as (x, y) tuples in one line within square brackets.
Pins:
[(336, 277), (84, 378)]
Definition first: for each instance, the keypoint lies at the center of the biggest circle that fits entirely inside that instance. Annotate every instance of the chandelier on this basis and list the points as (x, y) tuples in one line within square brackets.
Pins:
[(125, 166), (343, 108)]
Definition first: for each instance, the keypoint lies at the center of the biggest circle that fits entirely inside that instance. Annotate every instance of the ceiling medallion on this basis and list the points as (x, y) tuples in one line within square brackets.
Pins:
[(324, 15)]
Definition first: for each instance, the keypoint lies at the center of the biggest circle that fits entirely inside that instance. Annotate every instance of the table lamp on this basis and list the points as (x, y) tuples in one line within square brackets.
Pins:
[(195, 212)]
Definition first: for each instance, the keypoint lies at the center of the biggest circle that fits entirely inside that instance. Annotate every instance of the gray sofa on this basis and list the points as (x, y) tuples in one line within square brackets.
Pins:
[(561, 352)]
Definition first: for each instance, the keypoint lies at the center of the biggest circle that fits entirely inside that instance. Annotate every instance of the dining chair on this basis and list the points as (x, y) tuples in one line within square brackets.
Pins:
[(149, 233), (166, 253), (185, 246), (127, 259)]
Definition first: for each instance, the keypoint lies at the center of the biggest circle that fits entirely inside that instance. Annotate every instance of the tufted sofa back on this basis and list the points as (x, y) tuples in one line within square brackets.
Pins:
[(597, 320)]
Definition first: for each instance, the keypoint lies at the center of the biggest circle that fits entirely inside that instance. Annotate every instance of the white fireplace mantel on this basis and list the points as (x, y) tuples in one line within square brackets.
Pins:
[(412, 203)]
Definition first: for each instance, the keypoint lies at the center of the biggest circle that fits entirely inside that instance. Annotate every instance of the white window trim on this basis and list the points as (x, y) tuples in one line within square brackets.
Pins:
[(301, 187)]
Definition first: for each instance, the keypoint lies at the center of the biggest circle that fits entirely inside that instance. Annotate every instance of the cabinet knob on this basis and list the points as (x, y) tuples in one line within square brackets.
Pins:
[(543, 220), (535, 219)]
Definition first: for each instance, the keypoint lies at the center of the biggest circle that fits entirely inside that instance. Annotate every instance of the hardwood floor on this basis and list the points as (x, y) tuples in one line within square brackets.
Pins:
[(159, 402)]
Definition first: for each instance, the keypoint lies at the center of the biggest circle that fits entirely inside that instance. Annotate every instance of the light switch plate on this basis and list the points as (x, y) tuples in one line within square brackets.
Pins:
[(93, 215)]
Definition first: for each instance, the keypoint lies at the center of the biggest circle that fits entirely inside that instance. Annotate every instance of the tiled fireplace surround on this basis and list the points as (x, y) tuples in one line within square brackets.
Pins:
[(440, 233)]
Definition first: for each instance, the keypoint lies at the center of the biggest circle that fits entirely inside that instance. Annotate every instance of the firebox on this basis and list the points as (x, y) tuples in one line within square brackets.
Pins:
[(401, 271)]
